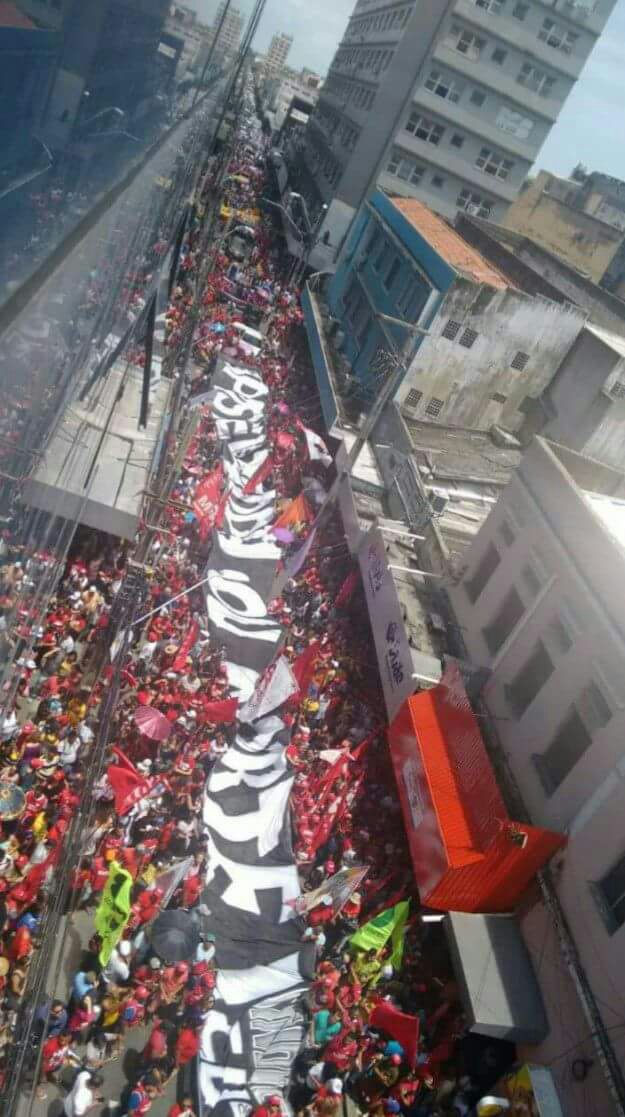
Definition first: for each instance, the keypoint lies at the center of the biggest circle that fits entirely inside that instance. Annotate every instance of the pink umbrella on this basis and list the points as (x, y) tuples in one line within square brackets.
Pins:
[(152, 723)]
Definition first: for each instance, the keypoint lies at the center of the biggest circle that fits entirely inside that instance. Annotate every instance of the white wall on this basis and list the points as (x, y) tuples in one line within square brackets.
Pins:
[(580, 568), (466, 379)]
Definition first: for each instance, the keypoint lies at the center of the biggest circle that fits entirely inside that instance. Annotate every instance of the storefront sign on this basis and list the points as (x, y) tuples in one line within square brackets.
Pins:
[(389, 634)]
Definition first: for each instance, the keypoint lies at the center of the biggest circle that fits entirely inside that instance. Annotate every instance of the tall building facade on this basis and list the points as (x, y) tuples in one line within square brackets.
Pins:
[(448, 101), (278, 51), (229, 37)]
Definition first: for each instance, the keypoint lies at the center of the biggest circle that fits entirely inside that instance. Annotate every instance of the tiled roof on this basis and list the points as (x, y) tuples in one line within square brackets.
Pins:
[(449, 244), (11, 16)]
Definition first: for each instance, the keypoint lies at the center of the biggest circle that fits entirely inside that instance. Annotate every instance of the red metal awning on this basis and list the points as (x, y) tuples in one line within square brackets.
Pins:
[(467, 854)]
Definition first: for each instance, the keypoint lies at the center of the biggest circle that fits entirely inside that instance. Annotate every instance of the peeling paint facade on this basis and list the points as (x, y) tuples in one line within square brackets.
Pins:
[(476, 381)]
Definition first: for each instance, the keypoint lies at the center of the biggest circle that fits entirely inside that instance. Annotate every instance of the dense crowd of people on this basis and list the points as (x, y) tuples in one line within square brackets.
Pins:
[(385, 1020)]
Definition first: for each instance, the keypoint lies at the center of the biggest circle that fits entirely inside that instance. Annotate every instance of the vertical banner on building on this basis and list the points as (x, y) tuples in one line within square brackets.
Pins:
[(387, 622)]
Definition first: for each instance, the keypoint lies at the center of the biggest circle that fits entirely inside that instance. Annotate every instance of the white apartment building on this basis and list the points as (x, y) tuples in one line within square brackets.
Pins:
[(449, 101), (278, 51), (540, 606)]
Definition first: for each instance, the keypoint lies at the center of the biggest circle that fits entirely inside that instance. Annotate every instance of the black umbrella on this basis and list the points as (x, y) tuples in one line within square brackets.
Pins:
[(174, 936)]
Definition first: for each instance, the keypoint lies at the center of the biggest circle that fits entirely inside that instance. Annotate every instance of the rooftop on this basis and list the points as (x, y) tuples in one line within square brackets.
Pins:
[(450, 244), (536, 270), (467, 470)]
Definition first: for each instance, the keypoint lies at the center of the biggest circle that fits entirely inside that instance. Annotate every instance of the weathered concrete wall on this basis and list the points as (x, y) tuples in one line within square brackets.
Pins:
[(478, 385), (540, 272), (583, 414), (579, 238)]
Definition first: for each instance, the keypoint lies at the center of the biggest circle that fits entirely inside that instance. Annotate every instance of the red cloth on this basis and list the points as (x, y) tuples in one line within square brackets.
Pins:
[(156, 1046), (221, 713), (399, 1025), (304, 666), (187, 1046), (261, 474), (208, 503), (129, 786), (185, 647)]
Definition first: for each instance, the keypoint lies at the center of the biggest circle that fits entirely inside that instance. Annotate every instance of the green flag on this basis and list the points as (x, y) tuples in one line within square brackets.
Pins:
[(387, 925), (113, 911)]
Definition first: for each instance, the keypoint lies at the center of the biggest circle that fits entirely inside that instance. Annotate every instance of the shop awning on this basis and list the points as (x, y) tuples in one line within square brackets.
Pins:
[(467, 853), (500, 993)]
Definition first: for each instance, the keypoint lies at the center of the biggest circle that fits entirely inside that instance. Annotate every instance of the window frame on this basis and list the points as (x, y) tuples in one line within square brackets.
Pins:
[(520, 704), (543, 84), (436, 81), (605, 906), (424, 129), (501, 165), (468, 582), (484, 209), (434, 407), (392, 273), (564, 38), (467, 42)]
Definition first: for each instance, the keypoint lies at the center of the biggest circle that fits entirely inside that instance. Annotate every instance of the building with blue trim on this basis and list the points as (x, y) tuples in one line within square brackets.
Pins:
[(386, 268), (487, 339)]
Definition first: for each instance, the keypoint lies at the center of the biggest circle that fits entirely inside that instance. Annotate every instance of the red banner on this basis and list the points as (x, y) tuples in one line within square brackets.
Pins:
[(129, 786), (209, 501), (185, 647), (222, 712)]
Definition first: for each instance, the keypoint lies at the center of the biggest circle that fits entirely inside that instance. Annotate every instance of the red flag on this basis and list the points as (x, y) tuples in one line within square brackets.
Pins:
[(347, 589), (207, 500), (261, 474), (399, 1025), (330, 819), (340, 768), (304, 667), (129, 786), (222, 712), (185, 647)]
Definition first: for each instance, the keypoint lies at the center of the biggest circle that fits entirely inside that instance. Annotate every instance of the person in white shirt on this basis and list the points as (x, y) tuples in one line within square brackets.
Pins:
[(83, 1095), (117, 970)]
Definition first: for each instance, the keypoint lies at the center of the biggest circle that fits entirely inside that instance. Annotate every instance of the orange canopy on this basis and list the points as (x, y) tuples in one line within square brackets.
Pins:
[(467, 854)]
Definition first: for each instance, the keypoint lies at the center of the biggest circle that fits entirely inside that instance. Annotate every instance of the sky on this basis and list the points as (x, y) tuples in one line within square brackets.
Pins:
[(590, 128)]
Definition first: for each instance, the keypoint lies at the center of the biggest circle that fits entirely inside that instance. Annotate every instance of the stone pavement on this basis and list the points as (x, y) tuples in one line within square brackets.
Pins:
[(118, 1073)]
